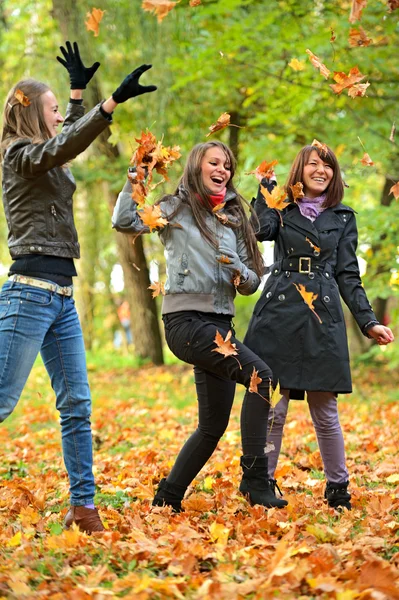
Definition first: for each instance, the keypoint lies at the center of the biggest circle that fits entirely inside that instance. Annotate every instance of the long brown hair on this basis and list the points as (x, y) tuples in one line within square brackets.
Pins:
[(24, 121), (335, 190), (196, 195)]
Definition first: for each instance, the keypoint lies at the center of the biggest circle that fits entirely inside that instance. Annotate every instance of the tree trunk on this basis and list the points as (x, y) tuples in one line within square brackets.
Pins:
[(145, 328)]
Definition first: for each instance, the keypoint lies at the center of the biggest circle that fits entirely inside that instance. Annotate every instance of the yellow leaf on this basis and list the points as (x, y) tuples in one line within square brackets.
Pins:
[(219, 533), (275, 395), (152, 217), (394, 478), (15, 540), (296, 65), (208, 483)]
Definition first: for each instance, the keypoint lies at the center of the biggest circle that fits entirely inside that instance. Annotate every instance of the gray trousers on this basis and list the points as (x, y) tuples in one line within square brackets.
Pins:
[(324, 412)]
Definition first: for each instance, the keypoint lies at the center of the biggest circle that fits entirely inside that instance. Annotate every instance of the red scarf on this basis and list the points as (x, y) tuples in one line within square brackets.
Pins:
[(217, 198)]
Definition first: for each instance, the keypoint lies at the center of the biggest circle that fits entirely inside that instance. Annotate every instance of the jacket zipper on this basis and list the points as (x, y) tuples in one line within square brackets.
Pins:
[(53, 220)]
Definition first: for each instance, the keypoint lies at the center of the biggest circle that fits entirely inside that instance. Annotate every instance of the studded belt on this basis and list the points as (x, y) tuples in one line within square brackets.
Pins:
[(44, 285)]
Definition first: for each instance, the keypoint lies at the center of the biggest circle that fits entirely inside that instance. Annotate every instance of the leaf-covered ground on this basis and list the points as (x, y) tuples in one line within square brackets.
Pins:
[(220, 547)]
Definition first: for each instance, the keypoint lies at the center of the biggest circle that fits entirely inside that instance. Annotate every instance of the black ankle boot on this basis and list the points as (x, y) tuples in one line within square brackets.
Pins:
[(169, 494), (337, 495), (256, 485)]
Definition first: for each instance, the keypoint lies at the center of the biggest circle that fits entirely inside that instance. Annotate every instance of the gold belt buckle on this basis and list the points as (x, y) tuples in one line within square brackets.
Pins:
[(305, 269)]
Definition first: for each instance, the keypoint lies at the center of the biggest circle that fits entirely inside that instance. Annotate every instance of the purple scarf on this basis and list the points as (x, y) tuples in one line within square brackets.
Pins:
[(311, 207)]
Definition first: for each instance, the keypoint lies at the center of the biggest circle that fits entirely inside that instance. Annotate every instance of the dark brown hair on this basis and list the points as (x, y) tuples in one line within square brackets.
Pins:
[(196, 195), (335, 191), (25, 121)]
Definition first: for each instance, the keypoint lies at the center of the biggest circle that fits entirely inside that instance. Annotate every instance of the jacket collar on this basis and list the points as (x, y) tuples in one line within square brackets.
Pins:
[(328, 219)]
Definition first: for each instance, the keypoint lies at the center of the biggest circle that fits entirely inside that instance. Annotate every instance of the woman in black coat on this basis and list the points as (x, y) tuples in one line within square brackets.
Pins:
[(298, 325)]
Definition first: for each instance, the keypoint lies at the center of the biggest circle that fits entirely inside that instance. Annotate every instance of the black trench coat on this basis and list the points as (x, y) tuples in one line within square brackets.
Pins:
[(304, 354)]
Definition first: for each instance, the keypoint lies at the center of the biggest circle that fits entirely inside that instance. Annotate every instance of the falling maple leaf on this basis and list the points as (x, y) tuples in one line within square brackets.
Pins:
[(225, 347), (195, 2), (366, 160), (223, 218), (392, 134), (22, 99), (297, 190), (222, 122), (264, 170), (312, 245), (93, 20), (224, 259), (316, 62), (152, 217), (322, 147), (308, 298), (395, 190), (359, 89), (274, 394), (157, 288), (277, 198), (356, 10), (296, 64), (393, 5), (358, 37), (346, 81), (255, 380), (333, 36), (159, 7)]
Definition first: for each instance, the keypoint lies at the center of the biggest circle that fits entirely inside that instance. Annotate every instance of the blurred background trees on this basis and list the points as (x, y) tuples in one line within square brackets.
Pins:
[(221, 56)]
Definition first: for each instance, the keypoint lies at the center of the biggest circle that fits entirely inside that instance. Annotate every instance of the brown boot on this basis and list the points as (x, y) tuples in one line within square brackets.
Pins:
[(87, 519)]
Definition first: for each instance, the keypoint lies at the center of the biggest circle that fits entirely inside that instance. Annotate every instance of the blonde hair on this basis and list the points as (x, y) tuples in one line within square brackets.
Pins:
[(21, 122)]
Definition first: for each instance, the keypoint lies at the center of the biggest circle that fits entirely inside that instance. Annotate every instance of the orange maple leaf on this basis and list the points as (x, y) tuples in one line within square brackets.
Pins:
[(308, 298), (345, 81), (356, 10), (254, 382), (152, 217), (224, 259), (312, 245), (276, 199), (160, 8), (222, 122), (157, 288), (93, 20), (366, 160), (22, 99), (395, 190), (236, 279), (393, 5), (225, 347), (265, 169), (322, 147), (195, 2), (297, 190), (316, 62), (358, 37), (359, 89)]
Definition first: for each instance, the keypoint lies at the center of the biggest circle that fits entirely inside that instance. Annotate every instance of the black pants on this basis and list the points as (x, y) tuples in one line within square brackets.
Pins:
[(190, 335)]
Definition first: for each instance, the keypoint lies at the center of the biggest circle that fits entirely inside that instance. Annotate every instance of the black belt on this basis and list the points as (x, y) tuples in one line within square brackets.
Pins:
[(302, 264)]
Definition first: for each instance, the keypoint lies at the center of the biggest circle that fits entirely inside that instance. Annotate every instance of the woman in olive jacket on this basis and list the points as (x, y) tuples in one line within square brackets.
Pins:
[(37, 310), (305, 344)]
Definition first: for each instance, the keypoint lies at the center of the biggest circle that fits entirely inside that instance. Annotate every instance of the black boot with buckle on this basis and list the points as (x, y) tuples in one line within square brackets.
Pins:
[(169, 494), (256, 485), (337, 495)]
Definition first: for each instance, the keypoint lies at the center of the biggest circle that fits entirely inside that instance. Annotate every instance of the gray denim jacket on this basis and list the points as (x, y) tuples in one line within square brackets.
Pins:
[(195, 279), (38, 187)]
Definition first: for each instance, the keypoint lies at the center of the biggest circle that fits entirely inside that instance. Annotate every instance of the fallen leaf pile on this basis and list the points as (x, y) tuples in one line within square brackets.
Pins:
[(220, 548)]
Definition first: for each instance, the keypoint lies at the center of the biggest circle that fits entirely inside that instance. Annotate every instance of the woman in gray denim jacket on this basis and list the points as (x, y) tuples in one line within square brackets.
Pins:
[(209, 256)]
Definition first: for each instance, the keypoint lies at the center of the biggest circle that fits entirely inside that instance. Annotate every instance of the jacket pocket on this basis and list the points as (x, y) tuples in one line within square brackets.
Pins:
[(52, 221), (265, 298), (331, 301)]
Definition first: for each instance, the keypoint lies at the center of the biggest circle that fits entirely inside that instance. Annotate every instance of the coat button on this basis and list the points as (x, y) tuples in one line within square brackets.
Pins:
[(268, 295), (40, 248), (326, 298), (281, 297), (327, 275), (316, 252), (287, 274), (311, 275), (186, 271), (275, 272), (32, 248)]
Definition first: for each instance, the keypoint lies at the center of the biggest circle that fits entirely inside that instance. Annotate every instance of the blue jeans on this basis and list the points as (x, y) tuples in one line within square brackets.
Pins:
[(33, 320)]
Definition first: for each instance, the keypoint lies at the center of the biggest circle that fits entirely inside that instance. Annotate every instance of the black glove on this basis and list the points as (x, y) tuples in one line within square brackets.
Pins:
[(130, 86), (79, 75)]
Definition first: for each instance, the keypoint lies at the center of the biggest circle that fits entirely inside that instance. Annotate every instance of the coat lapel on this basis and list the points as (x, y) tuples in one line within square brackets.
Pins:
[(302, 224)]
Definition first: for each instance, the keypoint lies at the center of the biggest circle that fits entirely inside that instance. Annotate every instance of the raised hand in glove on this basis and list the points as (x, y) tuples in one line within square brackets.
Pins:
[(130, 86), (234, 263), (79, 75)]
